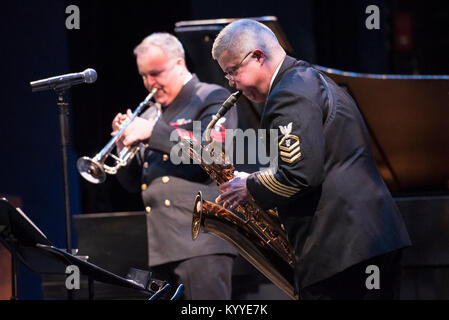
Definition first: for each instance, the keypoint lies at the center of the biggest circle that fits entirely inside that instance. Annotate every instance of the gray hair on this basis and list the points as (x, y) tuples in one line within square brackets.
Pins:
[(242, 36), (171, 46)]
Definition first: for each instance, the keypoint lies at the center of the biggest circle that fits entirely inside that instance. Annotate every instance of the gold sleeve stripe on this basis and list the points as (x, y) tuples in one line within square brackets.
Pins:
[(270, 187), (270, 175), (277, 185)]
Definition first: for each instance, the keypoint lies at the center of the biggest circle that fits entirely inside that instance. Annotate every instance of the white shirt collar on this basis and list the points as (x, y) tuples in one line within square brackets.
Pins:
[(275, 74), (188, 77)]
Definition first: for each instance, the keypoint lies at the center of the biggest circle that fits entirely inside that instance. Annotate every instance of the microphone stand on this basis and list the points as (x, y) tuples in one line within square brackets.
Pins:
[(60, 84), (63, 112)]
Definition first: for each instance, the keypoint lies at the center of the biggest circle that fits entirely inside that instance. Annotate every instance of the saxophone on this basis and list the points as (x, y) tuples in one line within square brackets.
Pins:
[(257, 234)]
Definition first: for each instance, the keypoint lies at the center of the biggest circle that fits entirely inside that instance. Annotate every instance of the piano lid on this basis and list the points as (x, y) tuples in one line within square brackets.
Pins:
[(408, 120), (215, 26)]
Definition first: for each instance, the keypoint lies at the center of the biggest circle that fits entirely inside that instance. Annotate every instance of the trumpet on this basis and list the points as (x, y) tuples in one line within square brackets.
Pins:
[(94, 169)]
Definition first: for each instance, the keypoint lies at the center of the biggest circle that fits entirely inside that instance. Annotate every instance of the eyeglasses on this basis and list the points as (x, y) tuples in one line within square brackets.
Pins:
[(234, 71)]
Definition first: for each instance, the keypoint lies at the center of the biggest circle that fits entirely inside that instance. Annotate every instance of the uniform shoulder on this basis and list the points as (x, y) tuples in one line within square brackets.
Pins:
[(207, 88), (210, 92), (301, 79)]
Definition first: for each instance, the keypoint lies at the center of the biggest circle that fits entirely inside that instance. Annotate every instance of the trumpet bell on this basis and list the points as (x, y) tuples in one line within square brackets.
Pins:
[(91, 170), (94, 170)]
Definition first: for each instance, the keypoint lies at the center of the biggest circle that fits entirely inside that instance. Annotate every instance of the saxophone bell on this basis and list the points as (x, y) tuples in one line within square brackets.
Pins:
[(260, 243)]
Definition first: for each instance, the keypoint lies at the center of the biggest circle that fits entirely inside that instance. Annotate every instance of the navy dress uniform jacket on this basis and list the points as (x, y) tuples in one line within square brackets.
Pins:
[(330, 197), (169, 190)]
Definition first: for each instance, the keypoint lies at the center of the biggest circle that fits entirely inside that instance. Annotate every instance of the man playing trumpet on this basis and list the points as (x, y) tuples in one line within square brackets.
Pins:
[(168, 190)]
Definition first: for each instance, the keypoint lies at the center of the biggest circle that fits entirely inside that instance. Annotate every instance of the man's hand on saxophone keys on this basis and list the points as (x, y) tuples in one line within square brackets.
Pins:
[(234, 192)]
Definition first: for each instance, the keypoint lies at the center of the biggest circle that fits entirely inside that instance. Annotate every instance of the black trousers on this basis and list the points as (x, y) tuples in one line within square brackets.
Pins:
[(354, 283), (204, 278)]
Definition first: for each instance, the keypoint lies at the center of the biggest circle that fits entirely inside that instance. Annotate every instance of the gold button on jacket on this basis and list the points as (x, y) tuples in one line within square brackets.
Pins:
[(167, 203)]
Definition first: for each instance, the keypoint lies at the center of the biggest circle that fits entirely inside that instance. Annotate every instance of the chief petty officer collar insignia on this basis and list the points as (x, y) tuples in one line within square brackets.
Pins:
[(289, 152)]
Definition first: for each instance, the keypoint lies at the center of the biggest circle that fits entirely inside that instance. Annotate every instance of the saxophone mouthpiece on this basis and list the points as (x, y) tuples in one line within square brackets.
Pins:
[(229, 103)]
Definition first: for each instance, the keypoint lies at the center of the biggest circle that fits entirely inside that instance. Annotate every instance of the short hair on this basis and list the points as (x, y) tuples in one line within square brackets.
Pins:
[(242, 36), (169, 44)]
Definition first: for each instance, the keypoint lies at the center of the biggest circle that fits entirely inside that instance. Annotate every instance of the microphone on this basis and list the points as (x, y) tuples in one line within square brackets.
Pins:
[(64, 81)]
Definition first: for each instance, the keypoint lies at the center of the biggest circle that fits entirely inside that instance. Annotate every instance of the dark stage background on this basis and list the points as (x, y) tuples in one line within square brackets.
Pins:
[(35, 44)]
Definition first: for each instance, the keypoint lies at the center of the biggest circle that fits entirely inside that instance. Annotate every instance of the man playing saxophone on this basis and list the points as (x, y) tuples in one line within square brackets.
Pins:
[(168, 190), (339, 215)]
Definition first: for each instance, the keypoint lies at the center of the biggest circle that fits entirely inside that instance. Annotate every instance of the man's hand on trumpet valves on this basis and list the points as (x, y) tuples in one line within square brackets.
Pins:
[(138, 130)]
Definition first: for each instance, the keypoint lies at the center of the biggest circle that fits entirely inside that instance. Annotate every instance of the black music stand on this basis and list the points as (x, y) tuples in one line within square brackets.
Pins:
[(26, 242)]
